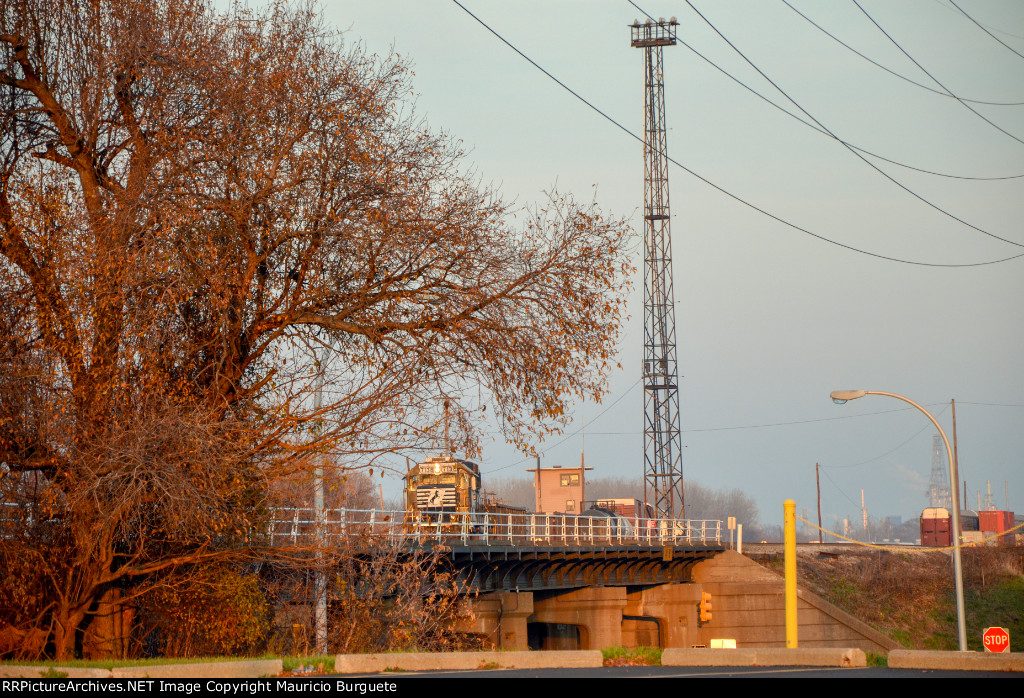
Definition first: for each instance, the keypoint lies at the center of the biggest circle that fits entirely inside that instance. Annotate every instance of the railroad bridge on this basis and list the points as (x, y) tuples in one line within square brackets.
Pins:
[(581, 595), (564, 582), (542, 568)]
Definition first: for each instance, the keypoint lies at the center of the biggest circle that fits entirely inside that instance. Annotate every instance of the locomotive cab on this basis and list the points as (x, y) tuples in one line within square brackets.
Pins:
[(442, 488)]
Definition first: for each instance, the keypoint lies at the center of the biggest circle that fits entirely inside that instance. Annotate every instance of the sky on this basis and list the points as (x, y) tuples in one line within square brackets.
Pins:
[(770, 319)]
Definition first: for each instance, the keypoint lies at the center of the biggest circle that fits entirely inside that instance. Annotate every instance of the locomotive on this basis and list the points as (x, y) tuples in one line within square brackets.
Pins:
[(443, 489), (442, 485), (443, 496)]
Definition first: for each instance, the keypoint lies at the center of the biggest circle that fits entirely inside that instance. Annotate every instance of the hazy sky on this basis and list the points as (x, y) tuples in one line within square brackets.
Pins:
[(770, 319)]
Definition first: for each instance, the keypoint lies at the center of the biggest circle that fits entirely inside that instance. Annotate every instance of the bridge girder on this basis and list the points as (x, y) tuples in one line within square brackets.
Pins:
[(533, 569)]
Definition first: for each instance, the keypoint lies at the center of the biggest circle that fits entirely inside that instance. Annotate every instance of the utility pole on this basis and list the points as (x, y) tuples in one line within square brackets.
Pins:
[(663, 469), (817, 482), (320, 577)]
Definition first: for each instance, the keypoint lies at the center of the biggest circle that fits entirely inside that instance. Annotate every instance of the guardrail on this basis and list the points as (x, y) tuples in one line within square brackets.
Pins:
[(298, 526)]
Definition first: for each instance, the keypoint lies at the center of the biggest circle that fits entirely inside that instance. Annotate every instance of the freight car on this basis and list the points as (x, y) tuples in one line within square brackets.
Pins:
[(937, 530), (616, 525)]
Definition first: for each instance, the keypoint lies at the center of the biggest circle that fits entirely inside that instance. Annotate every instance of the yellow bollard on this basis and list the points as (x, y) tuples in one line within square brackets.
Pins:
[(789, 507)]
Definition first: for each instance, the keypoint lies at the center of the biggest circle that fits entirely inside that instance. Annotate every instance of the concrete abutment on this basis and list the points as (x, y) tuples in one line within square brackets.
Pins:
[(748, 607)]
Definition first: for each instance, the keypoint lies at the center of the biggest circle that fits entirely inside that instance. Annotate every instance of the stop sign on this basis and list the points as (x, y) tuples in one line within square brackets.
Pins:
[(996, 640)]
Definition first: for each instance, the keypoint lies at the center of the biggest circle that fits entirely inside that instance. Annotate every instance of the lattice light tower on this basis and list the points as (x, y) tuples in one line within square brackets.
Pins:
[(938, 485), (663, 466)]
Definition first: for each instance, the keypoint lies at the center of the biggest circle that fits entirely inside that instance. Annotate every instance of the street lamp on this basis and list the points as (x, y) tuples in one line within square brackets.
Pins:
[(841, 396)]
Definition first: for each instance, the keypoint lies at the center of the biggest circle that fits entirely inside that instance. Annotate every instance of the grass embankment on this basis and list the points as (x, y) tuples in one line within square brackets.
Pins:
[(631, 656), (910, 597)]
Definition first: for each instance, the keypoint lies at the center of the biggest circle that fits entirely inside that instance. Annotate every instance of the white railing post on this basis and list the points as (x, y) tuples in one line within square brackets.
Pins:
[(481, 528)]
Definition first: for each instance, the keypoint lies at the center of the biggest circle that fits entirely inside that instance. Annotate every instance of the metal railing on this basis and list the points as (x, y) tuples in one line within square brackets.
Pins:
[(292, 526), (298, 527)]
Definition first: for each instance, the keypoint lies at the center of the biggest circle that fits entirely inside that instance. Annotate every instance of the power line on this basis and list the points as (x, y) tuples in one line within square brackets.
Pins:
[(840, 489), (978, 24), (841, 142), (893, 72), (823, 132), (892, 450), (778, 424), (802, 421), (1001, 31), (721, 189), (991, 404), (575, 433), (936, 80), (754, 426)]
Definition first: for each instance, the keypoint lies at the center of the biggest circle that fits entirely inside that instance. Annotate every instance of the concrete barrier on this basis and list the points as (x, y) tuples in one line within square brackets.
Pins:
[(205, 670), (459, 661), (17, 671), (957, 661), (250, 669), (765, 656)]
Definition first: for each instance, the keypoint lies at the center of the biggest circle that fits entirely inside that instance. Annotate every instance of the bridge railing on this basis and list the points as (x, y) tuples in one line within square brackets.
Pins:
[(299, 526)]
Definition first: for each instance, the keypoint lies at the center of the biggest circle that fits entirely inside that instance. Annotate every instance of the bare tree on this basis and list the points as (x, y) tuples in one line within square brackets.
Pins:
[(615, 487), (513, 491), (701, 502), (192, 206), (706, 503), (344, 487)]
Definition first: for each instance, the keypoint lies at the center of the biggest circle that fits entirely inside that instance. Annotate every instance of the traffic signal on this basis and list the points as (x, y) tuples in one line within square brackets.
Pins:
[(704, 607)]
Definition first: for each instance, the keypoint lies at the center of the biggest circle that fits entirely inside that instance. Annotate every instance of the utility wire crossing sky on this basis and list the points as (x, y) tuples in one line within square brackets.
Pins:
[(887, 135)]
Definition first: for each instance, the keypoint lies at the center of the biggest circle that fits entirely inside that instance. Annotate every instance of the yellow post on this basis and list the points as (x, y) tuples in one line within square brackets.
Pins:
[(789, 507)]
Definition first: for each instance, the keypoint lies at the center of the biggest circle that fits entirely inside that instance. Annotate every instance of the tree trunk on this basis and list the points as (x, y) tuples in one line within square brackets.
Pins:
[(65, 631), (106, 636)]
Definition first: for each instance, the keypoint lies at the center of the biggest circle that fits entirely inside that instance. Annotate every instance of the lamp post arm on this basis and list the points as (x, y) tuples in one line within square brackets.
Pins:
[(949, 451), (955, 515)]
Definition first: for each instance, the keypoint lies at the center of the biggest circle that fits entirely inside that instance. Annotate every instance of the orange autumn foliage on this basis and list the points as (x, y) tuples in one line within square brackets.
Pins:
[(193, 205)]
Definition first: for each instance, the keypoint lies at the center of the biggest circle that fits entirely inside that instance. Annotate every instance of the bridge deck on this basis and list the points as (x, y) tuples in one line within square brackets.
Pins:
[(509, 551), (508, 568)]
